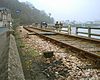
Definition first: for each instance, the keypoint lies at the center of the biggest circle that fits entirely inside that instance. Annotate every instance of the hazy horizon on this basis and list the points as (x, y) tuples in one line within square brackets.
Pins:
[(78, 10)]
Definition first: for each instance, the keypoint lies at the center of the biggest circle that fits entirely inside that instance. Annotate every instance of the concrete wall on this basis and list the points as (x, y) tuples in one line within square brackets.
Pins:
[(4, 43), (10, 64)]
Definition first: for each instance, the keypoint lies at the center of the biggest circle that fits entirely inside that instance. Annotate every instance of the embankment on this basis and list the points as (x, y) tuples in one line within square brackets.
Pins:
[(10, 64)]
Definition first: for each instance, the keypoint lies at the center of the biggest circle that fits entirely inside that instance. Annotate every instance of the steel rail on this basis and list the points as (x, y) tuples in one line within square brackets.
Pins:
[(81, 52)]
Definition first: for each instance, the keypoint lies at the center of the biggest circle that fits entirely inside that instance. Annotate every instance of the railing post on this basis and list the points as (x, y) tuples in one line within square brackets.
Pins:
[(76, 30), (89, 32)]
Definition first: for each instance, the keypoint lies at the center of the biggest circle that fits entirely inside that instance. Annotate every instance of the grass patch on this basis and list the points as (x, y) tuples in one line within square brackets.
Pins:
[(23, 48), (32, 52), (30, 60)]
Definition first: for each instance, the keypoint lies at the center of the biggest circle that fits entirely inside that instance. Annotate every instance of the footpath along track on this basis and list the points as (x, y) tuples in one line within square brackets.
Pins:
[(88, 48)]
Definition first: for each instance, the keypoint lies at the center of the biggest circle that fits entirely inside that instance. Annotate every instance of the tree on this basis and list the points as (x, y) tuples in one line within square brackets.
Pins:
[(27, 14)]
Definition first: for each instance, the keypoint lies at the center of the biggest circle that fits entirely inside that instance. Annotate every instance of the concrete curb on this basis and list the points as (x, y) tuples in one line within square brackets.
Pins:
[(15, 71)]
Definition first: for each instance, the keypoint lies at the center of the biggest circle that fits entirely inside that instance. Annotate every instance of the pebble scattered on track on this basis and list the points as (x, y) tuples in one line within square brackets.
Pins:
[(63, 66)]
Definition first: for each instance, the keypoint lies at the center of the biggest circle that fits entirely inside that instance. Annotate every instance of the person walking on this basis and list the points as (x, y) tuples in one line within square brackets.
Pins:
[(57, 26), (69, 29)]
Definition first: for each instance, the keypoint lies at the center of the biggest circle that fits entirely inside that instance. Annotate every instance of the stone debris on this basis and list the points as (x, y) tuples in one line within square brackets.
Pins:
[(63, 65), (54, 69), (48, 54)]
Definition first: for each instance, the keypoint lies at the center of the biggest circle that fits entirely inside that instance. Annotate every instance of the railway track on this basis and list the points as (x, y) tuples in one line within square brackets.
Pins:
[(88, 48)]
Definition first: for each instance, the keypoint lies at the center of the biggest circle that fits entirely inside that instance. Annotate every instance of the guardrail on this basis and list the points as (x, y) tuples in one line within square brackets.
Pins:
[(89, 33)]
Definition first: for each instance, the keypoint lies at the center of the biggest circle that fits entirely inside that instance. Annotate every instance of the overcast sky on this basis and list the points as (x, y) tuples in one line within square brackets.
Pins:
[(79, 10)]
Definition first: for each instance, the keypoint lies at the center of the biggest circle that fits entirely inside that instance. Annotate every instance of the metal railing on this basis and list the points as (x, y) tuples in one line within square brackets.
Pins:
[(89, 33)]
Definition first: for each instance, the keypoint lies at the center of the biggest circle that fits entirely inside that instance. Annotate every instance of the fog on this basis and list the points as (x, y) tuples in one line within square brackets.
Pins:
[(79, 10)]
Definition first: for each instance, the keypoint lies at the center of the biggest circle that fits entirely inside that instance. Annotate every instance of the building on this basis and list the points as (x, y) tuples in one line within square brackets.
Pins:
[(5, 17)]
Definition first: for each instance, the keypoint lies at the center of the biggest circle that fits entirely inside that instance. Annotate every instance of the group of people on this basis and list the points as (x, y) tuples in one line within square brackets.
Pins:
[(59, 26), (44, 24)]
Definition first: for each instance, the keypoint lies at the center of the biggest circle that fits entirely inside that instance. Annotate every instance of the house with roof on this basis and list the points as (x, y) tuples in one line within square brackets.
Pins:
[(5, 17)]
